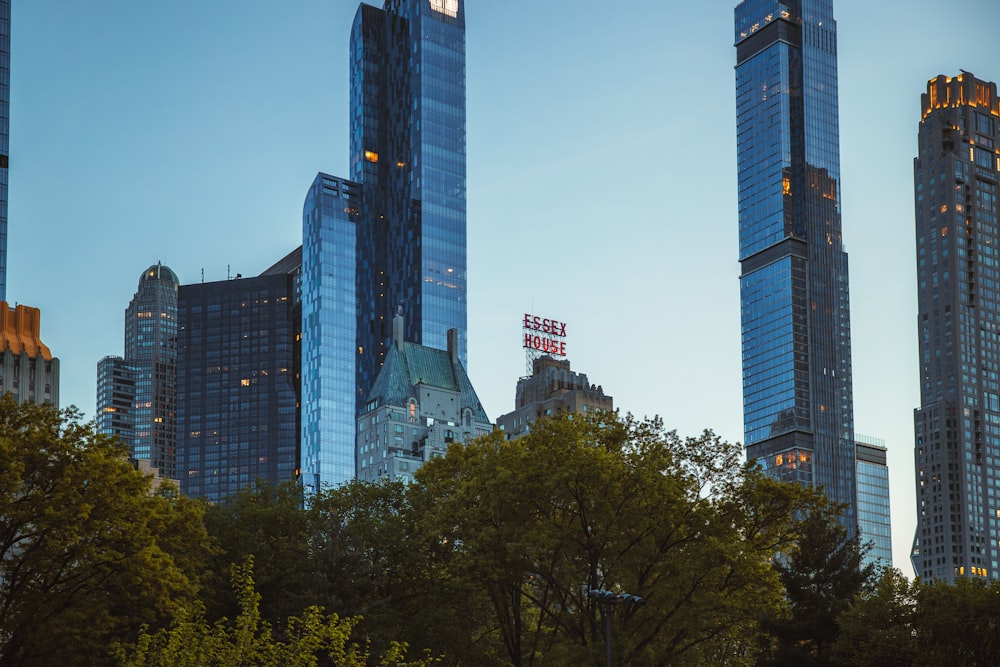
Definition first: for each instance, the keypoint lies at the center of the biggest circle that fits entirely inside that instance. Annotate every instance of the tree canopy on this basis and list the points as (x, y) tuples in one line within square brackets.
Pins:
[(488, 558), (617, 504), (248, 641), (87, 553)]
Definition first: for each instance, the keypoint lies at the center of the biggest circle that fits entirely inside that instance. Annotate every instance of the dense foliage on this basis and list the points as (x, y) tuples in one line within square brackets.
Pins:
[(486, 560), (87, 553), (192, 641)]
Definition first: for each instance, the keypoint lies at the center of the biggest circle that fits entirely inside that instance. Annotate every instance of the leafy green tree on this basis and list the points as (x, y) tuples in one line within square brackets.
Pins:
[(266, 522), (822, 574), (878, 629), (531, 525), (87, 554), (958, 624), (248, 640), (374, 561)]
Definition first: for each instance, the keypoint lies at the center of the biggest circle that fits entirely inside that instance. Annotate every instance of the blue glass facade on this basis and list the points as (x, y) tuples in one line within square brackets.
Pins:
[(115, 398), (329, 316), (151, 351), (797, 395), (4, 137), (237, 384), (408, 150), (874, 521), (957, 427)]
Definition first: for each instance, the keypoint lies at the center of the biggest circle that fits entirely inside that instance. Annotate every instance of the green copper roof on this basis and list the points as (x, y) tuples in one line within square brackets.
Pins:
[(415, 364)]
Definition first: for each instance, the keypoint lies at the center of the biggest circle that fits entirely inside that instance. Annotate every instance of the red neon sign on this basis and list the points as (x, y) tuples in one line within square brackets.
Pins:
[(544, 343)]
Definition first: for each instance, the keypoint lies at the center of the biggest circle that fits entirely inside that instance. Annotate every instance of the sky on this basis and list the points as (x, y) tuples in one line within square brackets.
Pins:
[(601, 181)]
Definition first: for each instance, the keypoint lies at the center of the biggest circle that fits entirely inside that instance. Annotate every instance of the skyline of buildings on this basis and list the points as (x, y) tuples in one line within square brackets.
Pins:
[(859, 491), (794, 301), (957, 425)]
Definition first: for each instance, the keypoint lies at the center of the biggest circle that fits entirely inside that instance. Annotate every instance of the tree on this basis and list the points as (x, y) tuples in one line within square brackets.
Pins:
[(374, 561), (822, 573), (87, 554), (192, 641), (878, 629), (958, 624), (266, 522), (531, 525)]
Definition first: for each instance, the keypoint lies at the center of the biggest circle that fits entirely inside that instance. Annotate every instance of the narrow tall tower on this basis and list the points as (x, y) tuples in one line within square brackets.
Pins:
[(137, 395), (797, 395), (4, 137), (957, 426), (329, 317), (408, 154)]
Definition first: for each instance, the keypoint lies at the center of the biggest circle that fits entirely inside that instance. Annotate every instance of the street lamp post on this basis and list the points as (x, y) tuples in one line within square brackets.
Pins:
[(608, 601)]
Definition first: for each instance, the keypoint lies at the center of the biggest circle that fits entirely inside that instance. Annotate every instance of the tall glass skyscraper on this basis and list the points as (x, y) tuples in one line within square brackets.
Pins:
[(956, 179), (116, 399), (392, 239), (151, 349), (136, 396), (329, 315), (237, 384), (874, 520), (4, 137), (797, 394), (408, 154)]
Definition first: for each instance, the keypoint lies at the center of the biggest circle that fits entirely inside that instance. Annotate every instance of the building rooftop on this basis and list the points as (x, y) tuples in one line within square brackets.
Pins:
[(159, 272), (409, 364)]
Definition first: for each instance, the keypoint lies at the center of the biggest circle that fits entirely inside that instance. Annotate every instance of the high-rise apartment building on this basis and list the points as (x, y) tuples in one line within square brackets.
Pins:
[(27, 368), (797, 394), (874, 520), (550, 389), (392, 239), (329, 319), (957, 426), (151, 350), (4, 137), (116, 398), (408, 154), (238, 382), (136, 394)]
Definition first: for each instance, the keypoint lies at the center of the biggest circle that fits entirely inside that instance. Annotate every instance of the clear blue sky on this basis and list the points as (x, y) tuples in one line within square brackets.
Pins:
[(601, 180)]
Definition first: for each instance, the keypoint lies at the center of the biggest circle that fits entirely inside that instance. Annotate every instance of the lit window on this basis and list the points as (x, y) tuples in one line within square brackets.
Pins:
[(371, 156), (447, 7)]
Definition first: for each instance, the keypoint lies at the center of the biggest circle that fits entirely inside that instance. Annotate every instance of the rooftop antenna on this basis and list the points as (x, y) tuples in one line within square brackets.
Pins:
[(203, 274), (228, 274)]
